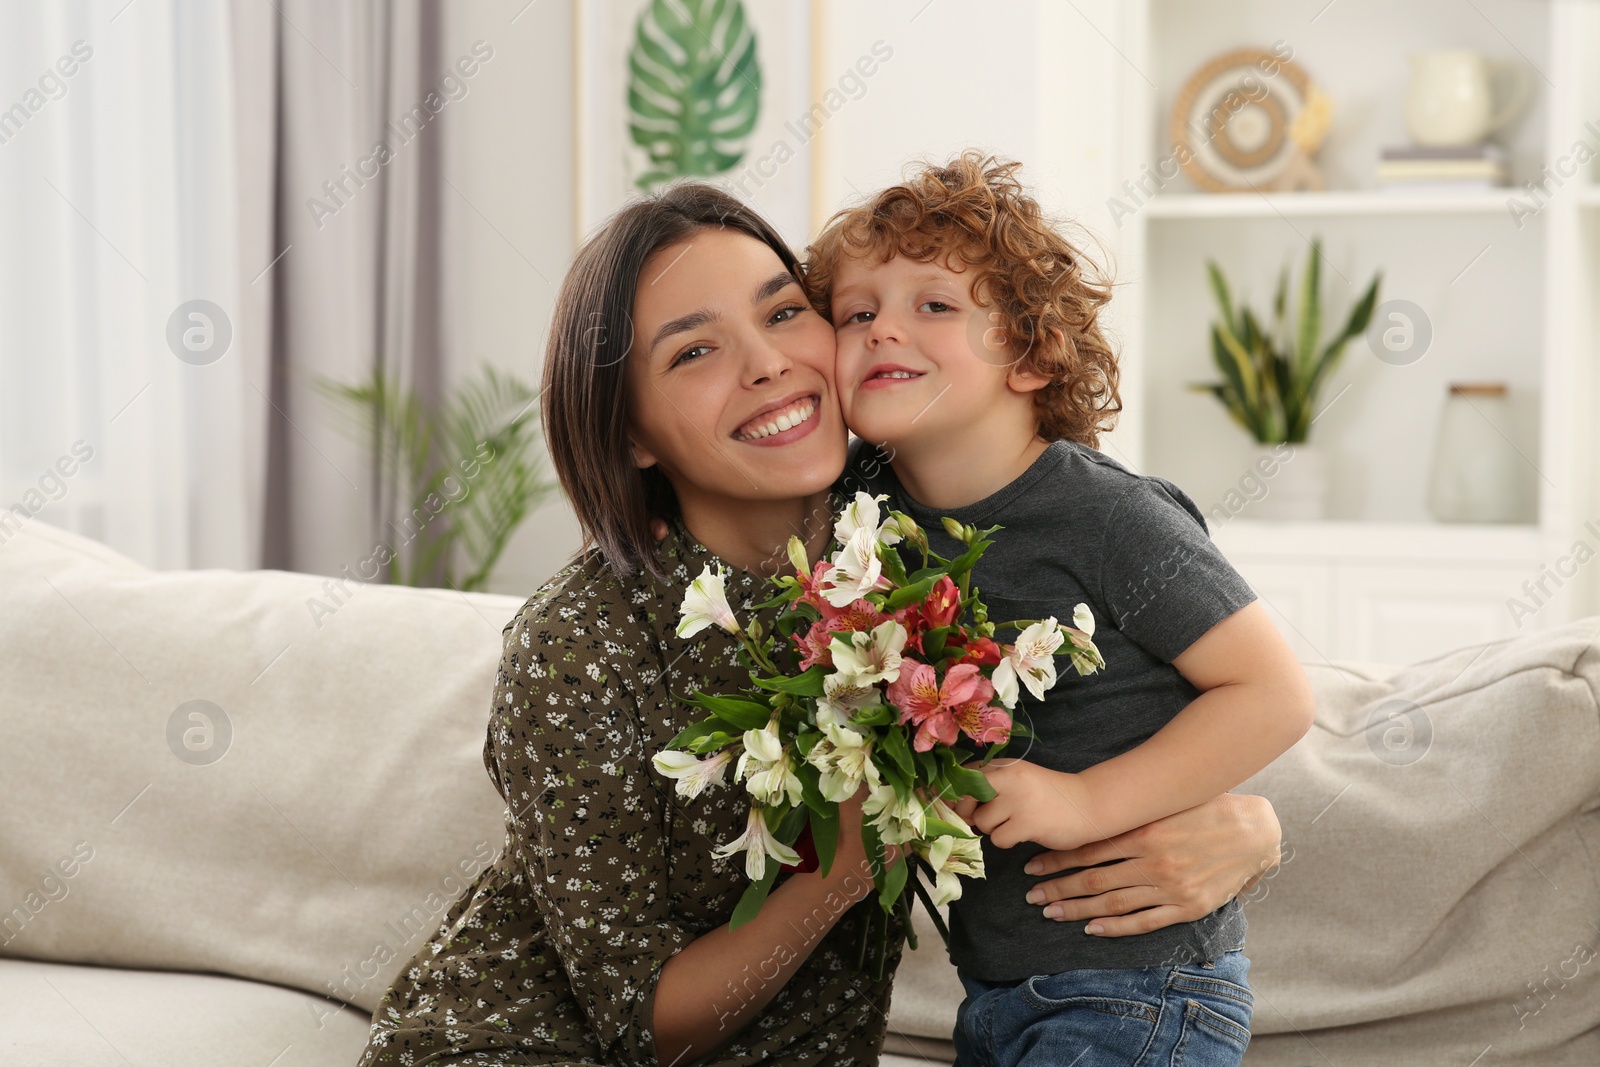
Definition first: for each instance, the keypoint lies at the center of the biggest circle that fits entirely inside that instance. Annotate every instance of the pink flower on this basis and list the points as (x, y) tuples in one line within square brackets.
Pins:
[(941, 712), (814, 644), (810, 586)]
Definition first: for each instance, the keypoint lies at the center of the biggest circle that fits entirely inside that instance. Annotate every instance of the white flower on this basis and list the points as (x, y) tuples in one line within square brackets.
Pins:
[(705, 603), (845, 759), (857, 571), (897, 821), (870, 657), (1032, 659), (694, 776), (1083, 619), (951, 857), (1085, 656), (862, 514), (766, 767), (757, 843), (842, 696)]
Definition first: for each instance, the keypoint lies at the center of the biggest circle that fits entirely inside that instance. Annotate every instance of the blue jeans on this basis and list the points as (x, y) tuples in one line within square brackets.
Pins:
[(1188, 1015)]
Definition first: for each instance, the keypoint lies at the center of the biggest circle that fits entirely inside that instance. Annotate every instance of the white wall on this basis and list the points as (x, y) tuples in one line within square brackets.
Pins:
[(507, 233)]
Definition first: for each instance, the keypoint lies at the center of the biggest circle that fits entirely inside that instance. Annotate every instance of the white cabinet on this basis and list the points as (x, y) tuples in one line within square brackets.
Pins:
[(1509, 296)]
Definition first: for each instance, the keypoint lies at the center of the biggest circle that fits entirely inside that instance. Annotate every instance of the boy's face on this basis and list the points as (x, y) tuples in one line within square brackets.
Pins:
[(919, 357)]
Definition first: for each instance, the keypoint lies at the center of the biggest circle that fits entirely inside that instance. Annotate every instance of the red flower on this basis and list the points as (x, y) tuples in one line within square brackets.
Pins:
[(981, 650), (808, 853), (943, 603)]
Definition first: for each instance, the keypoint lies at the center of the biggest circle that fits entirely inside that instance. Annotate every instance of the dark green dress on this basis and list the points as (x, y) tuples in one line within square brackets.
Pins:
[(552, 954)]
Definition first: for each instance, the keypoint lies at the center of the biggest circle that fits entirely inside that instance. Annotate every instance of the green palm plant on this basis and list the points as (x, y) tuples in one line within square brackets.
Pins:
[(694, 88), (466, 475), (1270, 381)]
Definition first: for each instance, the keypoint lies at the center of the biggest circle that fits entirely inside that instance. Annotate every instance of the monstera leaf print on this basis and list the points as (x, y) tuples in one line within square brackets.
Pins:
[(694, 88)]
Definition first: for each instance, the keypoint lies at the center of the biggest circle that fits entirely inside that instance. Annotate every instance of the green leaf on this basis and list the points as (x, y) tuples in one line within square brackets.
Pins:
[(894, 567), (808, 684), (744, 714), (1219, 289), (940, 828), (825, 835), (893, 882), (910, 594), (811, 787), (877, 715), (686, 737), (753, 897), (694, 87), (970, 783), (893, 743), (1310, 310)]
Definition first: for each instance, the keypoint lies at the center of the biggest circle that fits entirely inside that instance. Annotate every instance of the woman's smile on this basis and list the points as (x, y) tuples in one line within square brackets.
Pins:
[(781, 425)]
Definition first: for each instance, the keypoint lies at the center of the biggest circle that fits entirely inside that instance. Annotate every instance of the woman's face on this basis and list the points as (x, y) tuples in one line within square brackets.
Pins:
[(730, 375)]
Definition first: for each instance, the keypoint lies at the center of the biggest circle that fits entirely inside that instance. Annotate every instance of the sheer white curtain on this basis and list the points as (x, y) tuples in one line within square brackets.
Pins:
[(118, 205)]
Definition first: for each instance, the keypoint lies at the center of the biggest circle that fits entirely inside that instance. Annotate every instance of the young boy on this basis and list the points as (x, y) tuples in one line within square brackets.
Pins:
[(972, 365)]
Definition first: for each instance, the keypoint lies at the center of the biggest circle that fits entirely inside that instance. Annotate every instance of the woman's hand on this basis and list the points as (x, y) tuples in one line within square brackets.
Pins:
[(1173, 870)]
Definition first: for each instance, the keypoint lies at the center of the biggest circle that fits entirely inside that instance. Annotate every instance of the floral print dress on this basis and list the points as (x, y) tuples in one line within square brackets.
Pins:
[(551, 956)]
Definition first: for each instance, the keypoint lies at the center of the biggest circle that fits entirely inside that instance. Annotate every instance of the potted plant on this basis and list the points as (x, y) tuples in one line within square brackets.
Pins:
[(455, 482), (1271, 381)]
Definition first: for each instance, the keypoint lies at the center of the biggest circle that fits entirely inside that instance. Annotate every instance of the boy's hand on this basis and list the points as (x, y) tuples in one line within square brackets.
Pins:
[(1034, 804)]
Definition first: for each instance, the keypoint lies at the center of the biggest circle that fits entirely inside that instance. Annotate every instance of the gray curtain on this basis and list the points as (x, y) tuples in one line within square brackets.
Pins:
[(340, 248)]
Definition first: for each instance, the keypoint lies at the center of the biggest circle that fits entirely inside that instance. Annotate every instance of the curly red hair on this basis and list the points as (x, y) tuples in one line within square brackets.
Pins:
[(972, 212)]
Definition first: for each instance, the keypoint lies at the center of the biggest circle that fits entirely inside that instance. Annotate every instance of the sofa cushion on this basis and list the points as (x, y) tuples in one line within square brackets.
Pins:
[(307, 824), (74, 1016), (1438, 895)]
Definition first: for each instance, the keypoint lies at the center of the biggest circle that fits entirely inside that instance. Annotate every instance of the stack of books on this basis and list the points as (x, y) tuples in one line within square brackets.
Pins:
[(1442, 170)]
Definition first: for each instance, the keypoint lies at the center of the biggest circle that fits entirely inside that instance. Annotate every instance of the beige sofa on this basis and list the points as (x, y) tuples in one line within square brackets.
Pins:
[(235, 802)]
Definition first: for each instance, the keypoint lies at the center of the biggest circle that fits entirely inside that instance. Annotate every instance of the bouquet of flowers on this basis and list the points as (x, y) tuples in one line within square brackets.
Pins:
[(872, 678)]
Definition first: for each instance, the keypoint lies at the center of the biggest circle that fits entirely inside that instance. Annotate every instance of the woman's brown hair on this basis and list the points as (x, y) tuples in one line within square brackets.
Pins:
[(972, 213), (584, 398)]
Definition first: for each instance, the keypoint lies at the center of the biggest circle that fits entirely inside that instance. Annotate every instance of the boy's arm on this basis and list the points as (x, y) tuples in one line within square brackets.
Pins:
[(1255, 702)]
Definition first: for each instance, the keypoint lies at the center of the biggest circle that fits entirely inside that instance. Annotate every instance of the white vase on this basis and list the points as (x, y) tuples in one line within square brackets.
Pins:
[(1295, 484), (1475, 469)]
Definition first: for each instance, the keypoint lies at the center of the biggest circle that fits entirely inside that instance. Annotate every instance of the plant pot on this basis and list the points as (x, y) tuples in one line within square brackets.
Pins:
[(1296, 488)]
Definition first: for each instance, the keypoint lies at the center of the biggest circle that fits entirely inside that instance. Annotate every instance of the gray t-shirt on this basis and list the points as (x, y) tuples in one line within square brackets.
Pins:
[(1080, 527)]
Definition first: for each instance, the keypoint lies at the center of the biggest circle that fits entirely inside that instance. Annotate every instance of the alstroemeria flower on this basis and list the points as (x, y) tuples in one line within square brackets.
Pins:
[(694, 776), (705, 603), (862, 514), (811, 585), (842, 696), (757, 843), (979, 650), (857, 571), (815, 644), (1032, 659), (941, 710), (1085, 656), (873, 656), (766, 768), (845, 759), (897, 821), (951, 857)]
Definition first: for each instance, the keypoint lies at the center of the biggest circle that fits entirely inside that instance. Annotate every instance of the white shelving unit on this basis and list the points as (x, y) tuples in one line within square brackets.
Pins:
[(1380, 580)]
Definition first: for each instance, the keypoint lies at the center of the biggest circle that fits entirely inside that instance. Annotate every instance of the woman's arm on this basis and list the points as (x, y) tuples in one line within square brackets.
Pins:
[(1173, 870), (723, 979)]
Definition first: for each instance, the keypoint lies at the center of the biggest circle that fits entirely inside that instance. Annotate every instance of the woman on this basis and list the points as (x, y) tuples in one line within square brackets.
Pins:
[(689, 382)]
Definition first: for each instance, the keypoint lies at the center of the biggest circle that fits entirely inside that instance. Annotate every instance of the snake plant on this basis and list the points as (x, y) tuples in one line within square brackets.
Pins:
[(1270, 381)]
